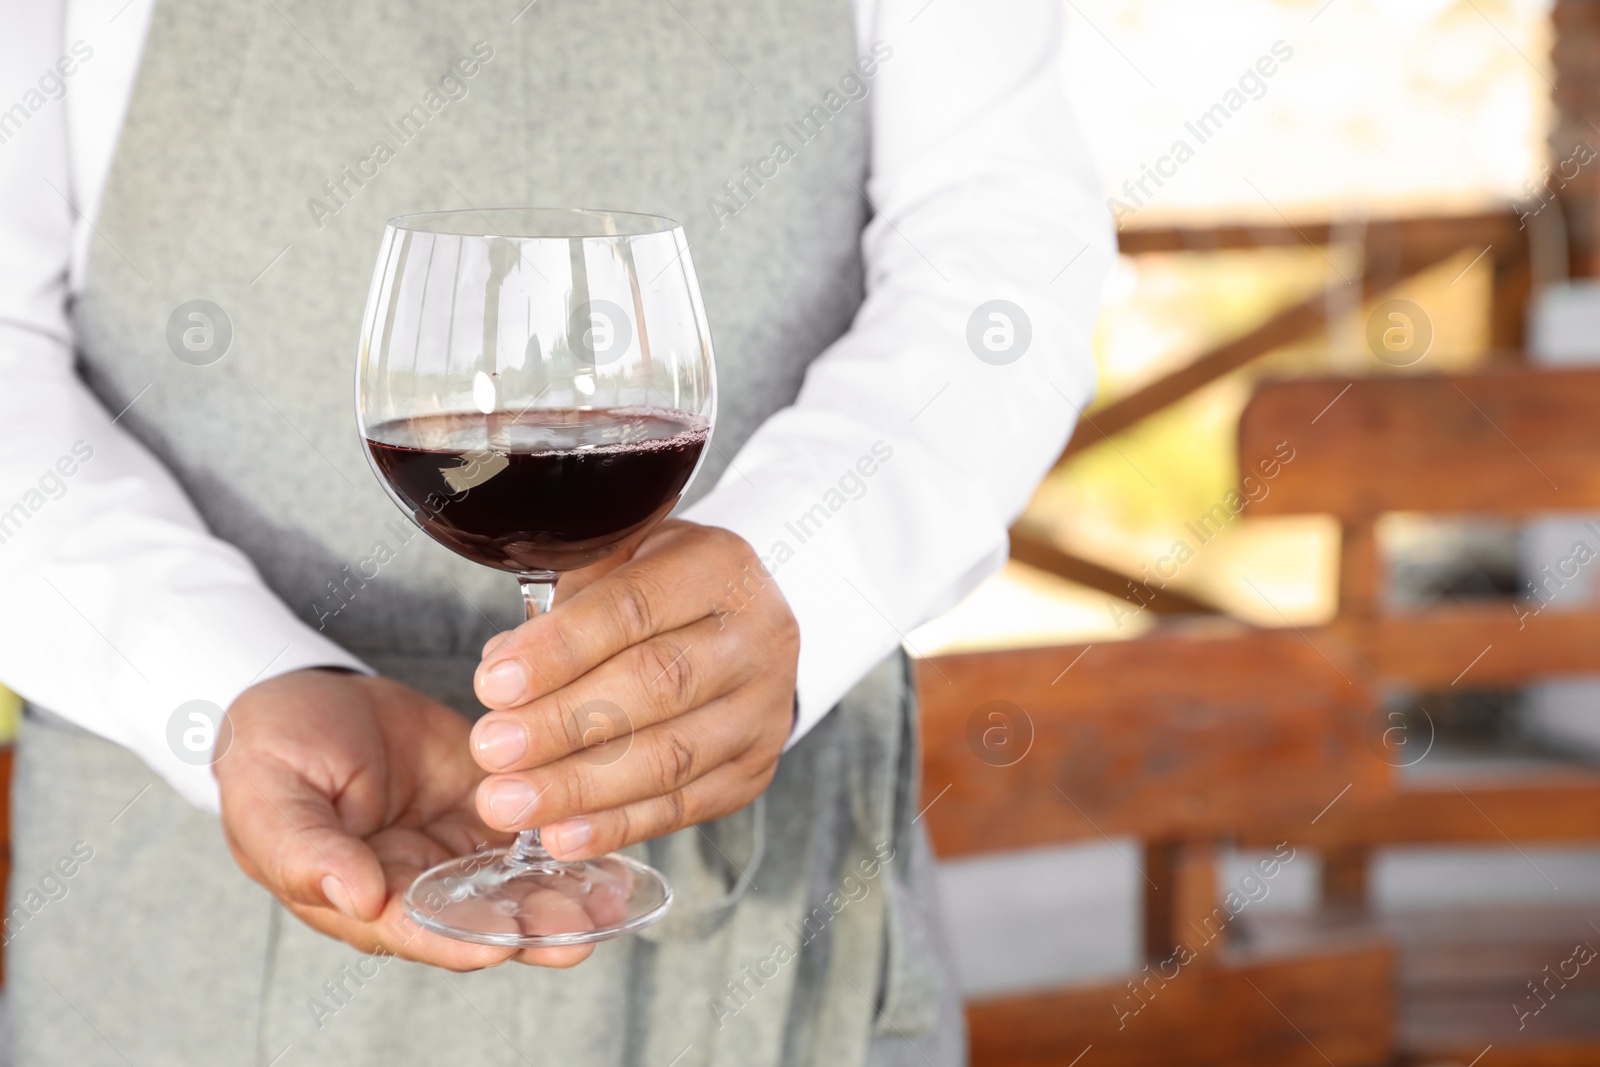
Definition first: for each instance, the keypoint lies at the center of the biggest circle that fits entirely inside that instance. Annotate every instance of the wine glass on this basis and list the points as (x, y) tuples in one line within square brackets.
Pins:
[(535, 389)]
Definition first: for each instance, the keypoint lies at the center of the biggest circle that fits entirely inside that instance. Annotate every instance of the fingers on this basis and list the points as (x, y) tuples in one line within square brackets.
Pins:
[(655, 761), (653, 593), (290, 838), (570, 585), (394, 932), (574, 582), (339, 791), (720, 792), (651, 682), (494, 643), (541, 912)]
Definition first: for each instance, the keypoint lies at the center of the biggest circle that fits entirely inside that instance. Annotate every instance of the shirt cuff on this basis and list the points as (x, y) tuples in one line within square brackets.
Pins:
[(261, 639), (841, 638)]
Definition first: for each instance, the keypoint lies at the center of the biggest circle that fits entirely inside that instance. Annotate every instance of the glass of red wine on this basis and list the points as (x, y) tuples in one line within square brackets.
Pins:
[(535, 390)]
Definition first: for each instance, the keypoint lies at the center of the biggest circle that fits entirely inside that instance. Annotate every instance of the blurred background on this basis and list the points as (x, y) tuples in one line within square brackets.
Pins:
[(1416, 108), (1300, 767), (1382, 665)]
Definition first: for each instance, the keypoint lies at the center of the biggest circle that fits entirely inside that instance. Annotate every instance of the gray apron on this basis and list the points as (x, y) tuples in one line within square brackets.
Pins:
[(264, 147)]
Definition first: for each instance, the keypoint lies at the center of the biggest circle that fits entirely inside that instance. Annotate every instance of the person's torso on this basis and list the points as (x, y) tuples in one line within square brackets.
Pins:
[(267, 143)]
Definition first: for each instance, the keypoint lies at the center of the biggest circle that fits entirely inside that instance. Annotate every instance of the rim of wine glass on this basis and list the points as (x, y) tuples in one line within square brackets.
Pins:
[(552, 223)]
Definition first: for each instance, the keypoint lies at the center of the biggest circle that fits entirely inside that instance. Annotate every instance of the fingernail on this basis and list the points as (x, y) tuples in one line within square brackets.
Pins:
[(337, 895), (500, 743), (511, 800), (503, 683), (570, 835)]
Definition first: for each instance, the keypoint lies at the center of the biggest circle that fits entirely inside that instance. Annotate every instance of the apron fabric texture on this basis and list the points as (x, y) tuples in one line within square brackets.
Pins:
[(265, 145)]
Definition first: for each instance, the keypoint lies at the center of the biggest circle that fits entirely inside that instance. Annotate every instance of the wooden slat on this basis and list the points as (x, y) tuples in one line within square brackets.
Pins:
[(1511, 286), (1036, 550), (1309, 1011), (1286, 326), (1180, 897), (1557, 807), (1182, 734), (1344, 878), (1543, 1054), (1459, 970), (1476, 644), (1360, 568), (1491, 228), (1510, 442), (1434, 242)]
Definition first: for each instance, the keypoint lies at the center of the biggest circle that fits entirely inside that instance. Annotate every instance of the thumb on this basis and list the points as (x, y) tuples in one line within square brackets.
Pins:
[(291, 839)]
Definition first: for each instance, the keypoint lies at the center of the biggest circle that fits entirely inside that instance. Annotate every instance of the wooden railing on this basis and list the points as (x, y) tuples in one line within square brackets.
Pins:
[(1392, 250)]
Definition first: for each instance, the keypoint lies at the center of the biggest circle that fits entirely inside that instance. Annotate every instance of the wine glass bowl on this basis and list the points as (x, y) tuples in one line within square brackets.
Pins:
[(569, 344), (535, 388)]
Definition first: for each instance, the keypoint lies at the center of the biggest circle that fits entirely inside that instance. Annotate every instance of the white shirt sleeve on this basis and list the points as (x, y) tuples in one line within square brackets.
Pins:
[(883, 495), (117, 606), (878, 499)]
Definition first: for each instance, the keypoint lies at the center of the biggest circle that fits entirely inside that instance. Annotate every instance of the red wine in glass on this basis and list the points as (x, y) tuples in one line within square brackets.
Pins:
[(535, 388), (554, 490)]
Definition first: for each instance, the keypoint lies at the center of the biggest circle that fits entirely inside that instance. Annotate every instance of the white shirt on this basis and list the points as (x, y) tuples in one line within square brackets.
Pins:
[(117, 606)]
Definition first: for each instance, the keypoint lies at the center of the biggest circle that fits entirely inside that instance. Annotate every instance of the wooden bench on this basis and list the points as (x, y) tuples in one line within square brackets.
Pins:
[(1508, 444), (1178, 739)]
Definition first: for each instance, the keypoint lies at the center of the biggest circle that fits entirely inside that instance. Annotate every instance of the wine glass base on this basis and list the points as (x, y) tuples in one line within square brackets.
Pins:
[(490, 898)]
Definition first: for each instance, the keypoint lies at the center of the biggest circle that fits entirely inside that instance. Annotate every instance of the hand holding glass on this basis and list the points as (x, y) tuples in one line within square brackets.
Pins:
[(535, 389)]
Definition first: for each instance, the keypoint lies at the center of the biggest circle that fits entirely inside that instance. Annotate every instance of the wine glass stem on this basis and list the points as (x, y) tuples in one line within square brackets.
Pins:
[(538, 593), (526, 851)]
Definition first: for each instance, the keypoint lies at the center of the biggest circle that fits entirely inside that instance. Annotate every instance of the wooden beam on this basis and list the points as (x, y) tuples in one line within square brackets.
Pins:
[(1414, 246), (1561, 806), (1183, 734), (1463, 985), (1514, 441), (1306, 1011), (1288, 325), (1037, 550), (1460, 970), (1474, 644), (1510, 287), (1180, 899), (1561, 1052), (1498, 228), (1360, 568), (1345, 874)]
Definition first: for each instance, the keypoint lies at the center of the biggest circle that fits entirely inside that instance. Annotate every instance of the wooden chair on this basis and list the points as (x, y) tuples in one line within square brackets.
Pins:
[(1177, 738), (1512, 443)]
